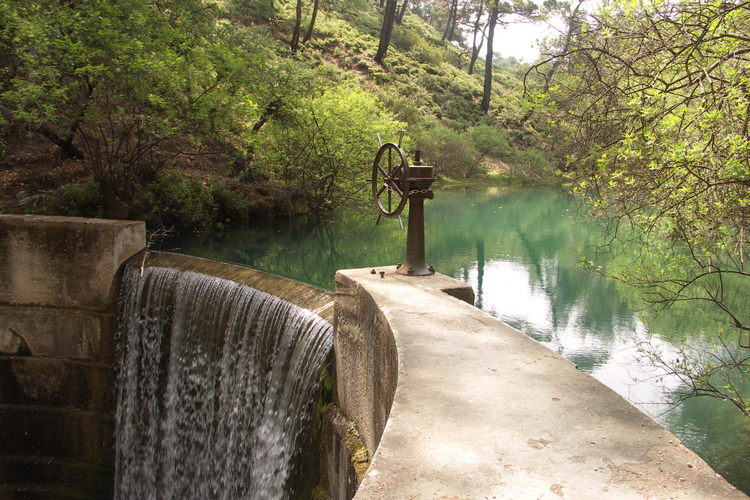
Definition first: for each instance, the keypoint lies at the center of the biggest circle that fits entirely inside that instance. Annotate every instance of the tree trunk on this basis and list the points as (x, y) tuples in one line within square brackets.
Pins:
[(241, 162), (297, 27), (314, 15), (401, 12), (454, 24), (573, 28), (474, 47), (475, 55), (450, 25), (66, 145), (68, 149), (389, 15), (488, 62)]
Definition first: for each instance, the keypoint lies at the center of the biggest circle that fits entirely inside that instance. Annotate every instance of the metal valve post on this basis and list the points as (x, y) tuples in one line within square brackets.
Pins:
[(420, 179)]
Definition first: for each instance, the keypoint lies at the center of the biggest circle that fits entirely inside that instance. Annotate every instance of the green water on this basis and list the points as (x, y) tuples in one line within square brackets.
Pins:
[(519, 249)]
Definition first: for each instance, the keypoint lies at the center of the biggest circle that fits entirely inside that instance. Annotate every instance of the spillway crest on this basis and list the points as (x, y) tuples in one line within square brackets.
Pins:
[(215, 385)]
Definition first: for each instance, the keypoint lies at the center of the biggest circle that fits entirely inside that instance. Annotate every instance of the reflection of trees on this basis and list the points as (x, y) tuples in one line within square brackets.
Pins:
[(480, 272), (306, 250), (526, 227), (721, 434), (463, 229)]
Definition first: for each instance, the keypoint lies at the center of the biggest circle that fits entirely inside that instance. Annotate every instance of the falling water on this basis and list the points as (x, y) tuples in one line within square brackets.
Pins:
[(215, 384)]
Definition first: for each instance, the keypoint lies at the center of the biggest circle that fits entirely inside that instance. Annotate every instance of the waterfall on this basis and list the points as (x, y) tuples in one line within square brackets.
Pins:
[(215, 384)]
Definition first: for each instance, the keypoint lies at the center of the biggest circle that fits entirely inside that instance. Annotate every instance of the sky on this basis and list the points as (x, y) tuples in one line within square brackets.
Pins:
[(520, 39)]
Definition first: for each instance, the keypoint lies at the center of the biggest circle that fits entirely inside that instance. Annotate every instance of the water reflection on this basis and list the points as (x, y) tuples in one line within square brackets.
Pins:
[(519, 249)]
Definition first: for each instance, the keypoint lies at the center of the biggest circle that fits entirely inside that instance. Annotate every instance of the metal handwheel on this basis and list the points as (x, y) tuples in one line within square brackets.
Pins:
[(390, 182)]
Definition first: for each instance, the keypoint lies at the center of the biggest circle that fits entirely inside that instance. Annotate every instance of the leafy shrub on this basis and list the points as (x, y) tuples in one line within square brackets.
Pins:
[(405, 38), (230, 206), (426, 53), (405, 107), (451, 152), (362, 17), (363, 65), (323, 152), (80, 199), (254, 9), (180, 202), (531, 164), (491, 141)]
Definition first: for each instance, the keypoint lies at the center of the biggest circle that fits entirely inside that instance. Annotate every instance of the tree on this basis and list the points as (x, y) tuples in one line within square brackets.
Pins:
[(477, 31), (452, 21), (128, 86), (46, 80), (401, 12), (657, 104), (389, 15), (277, 89), (323, 150), (552, 62), (487, 89), (313, 17), (297, 29), (297, 26), (496, 10)]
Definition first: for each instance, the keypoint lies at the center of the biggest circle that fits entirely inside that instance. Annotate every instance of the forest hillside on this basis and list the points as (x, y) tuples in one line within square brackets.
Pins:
[(196, 114)]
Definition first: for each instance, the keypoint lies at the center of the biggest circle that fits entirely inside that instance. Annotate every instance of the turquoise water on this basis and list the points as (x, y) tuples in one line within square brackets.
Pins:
[(519, 249)]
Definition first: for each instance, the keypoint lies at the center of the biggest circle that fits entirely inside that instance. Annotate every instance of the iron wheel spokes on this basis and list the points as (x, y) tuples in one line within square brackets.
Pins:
[(389, 174)]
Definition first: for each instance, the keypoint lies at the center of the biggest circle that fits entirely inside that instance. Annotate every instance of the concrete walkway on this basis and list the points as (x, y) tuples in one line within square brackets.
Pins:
[(482, 411)]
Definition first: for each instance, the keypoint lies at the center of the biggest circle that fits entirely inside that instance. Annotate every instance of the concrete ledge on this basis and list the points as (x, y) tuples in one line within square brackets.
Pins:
[(344, 457), (52, 478), (58, 285), (72, 435), (480, 410), (63, 261), (366, 359), (33, 492)]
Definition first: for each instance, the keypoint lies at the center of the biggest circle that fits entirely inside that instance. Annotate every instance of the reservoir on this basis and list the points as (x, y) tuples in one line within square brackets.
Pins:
[(519, 248)]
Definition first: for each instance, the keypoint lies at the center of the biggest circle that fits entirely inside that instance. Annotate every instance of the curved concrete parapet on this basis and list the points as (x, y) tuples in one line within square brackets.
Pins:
[(456, 404)]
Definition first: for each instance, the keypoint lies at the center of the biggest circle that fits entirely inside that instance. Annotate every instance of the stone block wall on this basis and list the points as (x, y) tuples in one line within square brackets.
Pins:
[(58, 285)]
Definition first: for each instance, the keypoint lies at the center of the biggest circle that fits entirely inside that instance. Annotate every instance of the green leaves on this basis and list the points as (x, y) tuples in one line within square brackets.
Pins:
[(324, 150), (656, 100), (132, 84)]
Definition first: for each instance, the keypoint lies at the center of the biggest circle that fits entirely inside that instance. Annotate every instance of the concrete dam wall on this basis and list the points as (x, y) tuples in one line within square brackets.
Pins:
[(69, 429), (58, 282), (432, 397)]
